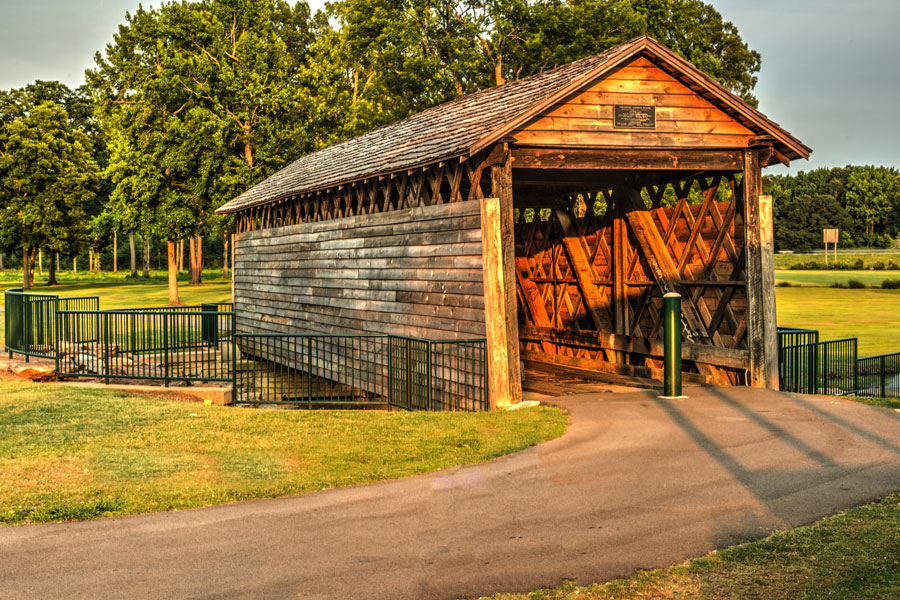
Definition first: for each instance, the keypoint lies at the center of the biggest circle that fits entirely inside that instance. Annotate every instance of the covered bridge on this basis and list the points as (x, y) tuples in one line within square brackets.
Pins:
[(549, 215)]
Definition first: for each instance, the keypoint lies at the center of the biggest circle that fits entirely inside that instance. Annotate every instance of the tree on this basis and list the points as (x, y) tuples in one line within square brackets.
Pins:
[(873, 194), (864, 202), (47, 179), (390, 58), (202, 100)]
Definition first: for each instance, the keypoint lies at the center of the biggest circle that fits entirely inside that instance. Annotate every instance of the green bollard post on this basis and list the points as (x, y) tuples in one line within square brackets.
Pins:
[(672, 346)]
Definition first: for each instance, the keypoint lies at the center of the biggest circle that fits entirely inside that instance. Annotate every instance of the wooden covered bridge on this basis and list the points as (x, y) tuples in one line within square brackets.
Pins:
[(549, 215)]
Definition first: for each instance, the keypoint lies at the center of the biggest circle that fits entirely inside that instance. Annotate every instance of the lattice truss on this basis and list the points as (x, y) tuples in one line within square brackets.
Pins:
[(605, 264), (454, 180)]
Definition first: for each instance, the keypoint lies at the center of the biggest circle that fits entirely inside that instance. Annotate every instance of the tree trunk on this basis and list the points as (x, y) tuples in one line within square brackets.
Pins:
[(58, 268), (26, 274), (40, 261), (173, 275), (90, 261), (133, 254), (196, 258), (146, 272), (1, 261), (74, 265), (51, 271), (115, 251), (225, 255)]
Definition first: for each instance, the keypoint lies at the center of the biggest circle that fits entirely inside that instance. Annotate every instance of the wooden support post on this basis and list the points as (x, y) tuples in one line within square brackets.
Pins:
[(498, 365), (620, 237), (502, 190), (762, 334)]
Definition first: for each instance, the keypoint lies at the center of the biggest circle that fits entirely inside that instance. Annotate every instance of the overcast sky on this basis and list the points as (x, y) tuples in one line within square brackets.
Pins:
[(830, 74)]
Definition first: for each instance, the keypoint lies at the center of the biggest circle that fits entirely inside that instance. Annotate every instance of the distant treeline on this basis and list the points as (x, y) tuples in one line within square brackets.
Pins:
[(863, 202)]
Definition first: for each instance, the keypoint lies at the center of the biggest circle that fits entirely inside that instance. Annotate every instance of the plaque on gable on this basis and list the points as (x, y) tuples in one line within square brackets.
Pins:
[(634, 116)]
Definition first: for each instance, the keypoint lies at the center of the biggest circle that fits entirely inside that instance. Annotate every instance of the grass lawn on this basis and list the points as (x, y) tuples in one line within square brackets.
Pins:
[(826, 278), (868, 258), (872, 315), (78, 454)]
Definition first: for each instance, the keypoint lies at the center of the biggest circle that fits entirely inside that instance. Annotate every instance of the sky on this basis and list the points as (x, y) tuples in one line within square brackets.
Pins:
[(830, 70)]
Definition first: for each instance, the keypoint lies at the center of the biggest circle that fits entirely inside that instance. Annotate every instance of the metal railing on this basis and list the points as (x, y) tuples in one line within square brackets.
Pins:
[(163, 345), (30, 320), (879, 375), (360, 370), (828, 367), (198, 343)]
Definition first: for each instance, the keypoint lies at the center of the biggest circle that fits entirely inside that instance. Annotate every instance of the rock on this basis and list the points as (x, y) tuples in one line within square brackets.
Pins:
[(34, 372)]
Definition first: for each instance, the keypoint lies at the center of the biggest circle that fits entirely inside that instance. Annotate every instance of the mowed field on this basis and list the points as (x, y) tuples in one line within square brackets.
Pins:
[(870, 314)]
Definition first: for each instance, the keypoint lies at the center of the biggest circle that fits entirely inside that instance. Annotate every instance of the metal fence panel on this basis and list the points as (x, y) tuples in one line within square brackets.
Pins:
[(164, 345)]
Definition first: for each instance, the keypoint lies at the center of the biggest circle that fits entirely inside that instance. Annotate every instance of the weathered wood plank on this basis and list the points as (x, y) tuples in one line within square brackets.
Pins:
[(625, 159), (495, 306)]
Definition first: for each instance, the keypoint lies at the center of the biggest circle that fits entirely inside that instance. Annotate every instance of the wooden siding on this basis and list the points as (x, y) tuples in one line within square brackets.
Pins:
[(684, 119), (414, 272)]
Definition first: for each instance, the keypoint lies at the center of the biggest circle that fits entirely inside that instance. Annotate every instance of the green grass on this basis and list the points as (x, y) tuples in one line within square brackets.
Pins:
[(80, 454), (784, 261), (871, 315), (826, 278), (854, 555)]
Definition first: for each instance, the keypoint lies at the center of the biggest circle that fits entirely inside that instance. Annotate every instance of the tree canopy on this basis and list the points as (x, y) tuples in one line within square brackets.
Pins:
[(48, 173), (862, 201)]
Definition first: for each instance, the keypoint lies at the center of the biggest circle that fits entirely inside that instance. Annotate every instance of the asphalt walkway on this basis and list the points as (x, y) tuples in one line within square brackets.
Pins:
[(636, 482)]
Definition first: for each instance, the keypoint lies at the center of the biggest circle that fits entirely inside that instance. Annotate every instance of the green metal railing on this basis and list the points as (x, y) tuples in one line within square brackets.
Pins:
[(162, 345), (827, 367), (810, 366), (879, 375), (30, 320), (198, 343), (322, 371)]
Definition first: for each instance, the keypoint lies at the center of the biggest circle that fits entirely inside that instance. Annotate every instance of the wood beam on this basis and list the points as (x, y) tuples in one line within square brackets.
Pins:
[(597, 305), (657, 255), (502, 190), (495, 308), (525, 157), (532, 299), (762, 335), (712, 355)]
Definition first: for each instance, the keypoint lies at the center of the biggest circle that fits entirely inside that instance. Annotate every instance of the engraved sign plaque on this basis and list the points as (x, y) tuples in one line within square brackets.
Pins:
[(634, 116)]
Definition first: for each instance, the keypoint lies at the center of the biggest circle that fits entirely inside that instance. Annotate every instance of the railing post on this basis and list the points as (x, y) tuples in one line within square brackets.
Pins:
[(234, 381), (672, 345), (390, 371), (430, 393), (408, 374), (882, 376), (56, 346), (106, 346), (309, 375), (165, 318), (485, 391)]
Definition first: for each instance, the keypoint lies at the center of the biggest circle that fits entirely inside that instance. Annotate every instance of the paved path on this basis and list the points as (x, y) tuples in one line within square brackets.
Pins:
[(636, 482)]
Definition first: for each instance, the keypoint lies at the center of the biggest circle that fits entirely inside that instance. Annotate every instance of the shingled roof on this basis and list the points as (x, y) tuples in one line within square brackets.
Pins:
[(470, 123)]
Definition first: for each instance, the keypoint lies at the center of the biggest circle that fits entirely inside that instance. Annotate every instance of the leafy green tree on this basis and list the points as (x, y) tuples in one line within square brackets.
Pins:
[(48, 178), (873, 194), (201, 100), (390, 58)]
